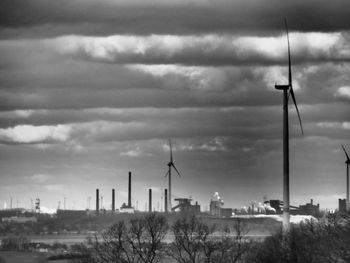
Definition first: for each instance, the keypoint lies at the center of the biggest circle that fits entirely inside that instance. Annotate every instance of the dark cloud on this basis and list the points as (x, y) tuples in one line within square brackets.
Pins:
[(76, 108), (171, 17)]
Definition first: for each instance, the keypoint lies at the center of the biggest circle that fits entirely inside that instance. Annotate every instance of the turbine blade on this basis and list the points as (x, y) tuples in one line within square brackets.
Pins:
[(289, 60), (176, 169), (167, 173), (347, 156), (171, 151), (296, 107), (290, 81)]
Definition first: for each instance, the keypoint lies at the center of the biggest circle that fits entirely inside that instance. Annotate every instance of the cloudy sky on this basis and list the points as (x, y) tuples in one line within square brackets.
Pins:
[(92, 89)]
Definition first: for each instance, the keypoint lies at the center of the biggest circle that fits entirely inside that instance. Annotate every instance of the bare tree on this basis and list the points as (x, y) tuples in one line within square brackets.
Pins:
[(139, 240), (232, 246), (145, 237), (192, 241), (186, 246)]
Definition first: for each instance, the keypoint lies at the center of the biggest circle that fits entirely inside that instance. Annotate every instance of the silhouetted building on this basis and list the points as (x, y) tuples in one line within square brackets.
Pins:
[(342, 205), (310, 209), (216, 204), (14, 212), (226, 212), (277, 205), (126, 209), (185, 205)]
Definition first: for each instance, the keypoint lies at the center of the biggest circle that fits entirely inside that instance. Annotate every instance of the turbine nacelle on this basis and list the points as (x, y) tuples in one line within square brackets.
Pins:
[(171, 163), (282, 87)]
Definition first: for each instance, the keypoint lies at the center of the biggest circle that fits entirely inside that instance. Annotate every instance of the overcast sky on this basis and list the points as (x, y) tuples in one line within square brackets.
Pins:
[(92, 89)]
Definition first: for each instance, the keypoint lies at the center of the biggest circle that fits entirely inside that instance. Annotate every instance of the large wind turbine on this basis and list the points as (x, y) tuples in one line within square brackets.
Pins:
[(347, 176), (170, 164), (287, 92)]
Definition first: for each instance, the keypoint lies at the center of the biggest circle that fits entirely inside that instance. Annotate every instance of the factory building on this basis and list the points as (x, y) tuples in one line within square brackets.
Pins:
[(309, 209), (184, 205), (277, 205), (216, 204), (19, 212), (128, 208), (342, 207), (226, 212), (216, 208)]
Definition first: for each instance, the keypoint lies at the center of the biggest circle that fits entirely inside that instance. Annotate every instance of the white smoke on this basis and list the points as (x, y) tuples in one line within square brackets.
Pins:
[(217, 196), (261, 207), (269, 208), (45, 210)]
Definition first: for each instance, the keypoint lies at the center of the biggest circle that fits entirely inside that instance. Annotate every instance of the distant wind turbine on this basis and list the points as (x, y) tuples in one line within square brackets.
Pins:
[(347, 175), (287, 92), (170, 164)]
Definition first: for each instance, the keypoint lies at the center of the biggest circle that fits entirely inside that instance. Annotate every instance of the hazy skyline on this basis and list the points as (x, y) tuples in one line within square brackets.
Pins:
[(92, 89)]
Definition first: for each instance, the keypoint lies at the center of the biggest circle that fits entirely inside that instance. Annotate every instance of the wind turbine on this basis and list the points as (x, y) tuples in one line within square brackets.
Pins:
[(170, 165), (287, 92), (347, 175)]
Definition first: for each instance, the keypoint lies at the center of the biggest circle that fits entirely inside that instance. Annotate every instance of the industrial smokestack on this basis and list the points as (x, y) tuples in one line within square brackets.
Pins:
[(113, 200), (129, 193), (150, 200), (97, 200), (166, 200)]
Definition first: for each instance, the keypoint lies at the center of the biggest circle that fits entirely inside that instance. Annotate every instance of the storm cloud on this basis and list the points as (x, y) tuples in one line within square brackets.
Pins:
[(90, 90)]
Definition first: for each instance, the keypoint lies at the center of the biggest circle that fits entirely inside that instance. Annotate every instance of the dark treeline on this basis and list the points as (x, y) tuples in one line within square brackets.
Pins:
[(190, 240)]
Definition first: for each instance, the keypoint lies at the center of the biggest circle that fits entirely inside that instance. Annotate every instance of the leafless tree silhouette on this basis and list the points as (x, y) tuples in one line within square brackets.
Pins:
[(139, 240)]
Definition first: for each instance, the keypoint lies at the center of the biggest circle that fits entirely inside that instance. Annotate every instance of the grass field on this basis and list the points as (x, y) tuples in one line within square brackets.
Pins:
[(26, 257)]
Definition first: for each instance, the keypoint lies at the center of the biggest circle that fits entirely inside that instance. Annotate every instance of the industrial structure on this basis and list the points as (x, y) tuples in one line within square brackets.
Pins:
[(166, 200), (113, 200), (216, 208), (216, 204), (342, 205), (185, 205), (97, 200), (128, 208), (37, 205), (309, 209), (150, 200)]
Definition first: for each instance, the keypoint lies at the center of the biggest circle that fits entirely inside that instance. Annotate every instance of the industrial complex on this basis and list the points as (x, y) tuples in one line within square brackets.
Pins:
[(184, 205)]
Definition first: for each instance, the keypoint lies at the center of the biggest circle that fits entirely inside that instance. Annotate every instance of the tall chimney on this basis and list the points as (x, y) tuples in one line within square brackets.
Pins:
[(150, 200), (129, 192), (166, 200), (97, 200), (113, 200)]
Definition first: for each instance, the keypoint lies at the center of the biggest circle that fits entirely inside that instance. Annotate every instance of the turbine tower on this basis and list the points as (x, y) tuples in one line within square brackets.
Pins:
[(347, 176), (170, 165), (287, 92)]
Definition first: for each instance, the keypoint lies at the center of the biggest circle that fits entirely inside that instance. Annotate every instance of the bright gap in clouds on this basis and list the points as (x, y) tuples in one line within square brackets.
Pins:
[(205, 49)]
